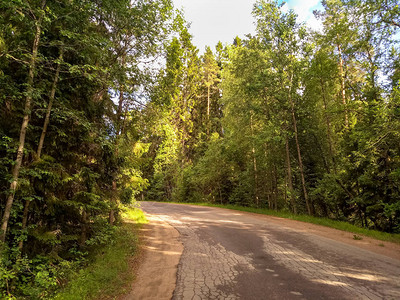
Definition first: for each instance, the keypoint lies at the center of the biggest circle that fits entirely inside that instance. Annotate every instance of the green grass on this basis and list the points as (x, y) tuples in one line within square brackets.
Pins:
[(110, 272), (345, 226), (135, 215)]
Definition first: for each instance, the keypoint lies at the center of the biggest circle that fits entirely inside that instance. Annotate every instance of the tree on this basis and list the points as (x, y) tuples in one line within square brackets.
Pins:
[(38, 15), (60, 79), (280, 34), (210, 75)]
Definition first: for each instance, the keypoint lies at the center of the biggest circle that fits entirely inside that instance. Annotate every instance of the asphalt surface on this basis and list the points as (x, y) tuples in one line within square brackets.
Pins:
[(234, 255)]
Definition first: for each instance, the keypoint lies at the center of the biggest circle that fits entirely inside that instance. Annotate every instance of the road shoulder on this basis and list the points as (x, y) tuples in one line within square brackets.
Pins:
[(156, 274), (385, 248)]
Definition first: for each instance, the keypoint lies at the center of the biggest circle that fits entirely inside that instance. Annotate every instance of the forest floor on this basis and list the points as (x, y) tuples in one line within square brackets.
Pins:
[(232, 254)]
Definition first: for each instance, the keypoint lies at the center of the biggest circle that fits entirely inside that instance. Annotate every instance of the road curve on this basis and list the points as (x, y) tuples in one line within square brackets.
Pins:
[(235, 255)]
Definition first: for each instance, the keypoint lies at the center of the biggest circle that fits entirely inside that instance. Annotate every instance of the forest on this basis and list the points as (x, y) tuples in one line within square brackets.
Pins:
[(107, 102)]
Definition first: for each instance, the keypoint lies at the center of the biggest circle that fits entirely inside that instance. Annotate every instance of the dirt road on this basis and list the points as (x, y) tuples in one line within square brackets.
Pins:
[(235, 255)]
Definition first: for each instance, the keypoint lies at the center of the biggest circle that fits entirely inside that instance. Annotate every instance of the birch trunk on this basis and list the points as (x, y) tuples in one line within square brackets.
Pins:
[(41, 140), (24, 126), (303, 182), (111, 216)]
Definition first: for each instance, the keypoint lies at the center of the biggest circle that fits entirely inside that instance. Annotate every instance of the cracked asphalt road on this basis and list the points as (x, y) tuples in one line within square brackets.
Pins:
[(235, 255)]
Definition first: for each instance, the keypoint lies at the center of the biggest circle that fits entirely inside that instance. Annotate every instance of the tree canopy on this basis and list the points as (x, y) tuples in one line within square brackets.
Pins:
[(107, 102)]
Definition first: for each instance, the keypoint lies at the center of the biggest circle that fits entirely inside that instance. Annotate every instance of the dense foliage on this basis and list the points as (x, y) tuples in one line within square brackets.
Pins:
[(71, 72), (288, 119), (105, 100)]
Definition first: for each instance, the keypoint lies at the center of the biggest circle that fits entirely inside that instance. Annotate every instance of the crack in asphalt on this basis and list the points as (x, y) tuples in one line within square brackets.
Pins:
[(321, 272), (211, 272), (213, 266)]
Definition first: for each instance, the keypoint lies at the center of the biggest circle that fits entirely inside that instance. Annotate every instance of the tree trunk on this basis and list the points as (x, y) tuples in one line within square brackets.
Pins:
[(268, 183), (119, 111), (290, 183), (84, 227), (275, 187), (124, 121), (111, 216), (208, 110), (328, 127), (303, 182), (285, 193), (118, 125), (42, 137), (41, 141), (342, 87), (24, 222), (50, 105), (253, 152), (24, 126)]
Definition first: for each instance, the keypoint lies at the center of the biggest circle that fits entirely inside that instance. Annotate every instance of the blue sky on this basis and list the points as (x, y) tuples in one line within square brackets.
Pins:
[(221, 20)]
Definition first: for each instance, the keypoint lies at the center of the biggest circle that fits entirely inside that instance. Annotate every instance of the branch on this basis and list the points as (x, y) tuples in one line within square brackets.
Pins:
[(16, 59), (389, 22)]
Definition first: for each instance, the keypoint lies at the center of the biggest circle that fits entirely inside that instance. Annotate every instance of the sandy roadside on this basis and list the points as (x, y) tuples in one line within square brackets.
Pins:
[(156, 274)]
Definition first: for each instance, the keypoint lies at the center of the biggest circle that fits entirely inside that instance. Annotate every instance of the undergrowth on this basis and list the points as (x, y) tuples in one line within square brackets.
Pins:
[(109, 273), (99, 270)]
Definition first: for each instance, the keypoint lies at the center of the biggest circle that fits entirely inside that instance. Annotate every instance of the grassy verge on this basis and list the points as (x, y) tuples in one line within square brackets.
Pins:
[(110, 272), (345, 226)]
